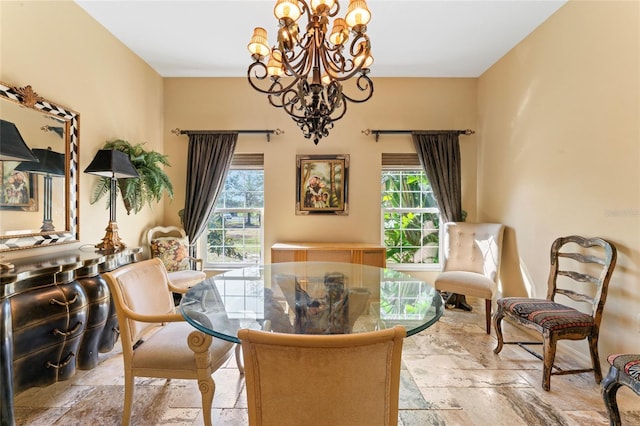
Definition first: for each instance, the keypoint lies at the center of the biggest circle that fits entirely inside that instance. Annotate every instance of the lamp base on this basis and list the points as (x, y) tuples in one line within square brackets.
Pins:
[(47, 226), (111, 241)]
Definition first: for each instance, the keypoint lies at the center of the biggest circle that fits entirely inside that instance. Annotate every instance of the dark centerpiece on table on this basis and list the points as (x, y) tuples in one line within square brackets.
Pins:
[(335, 313)]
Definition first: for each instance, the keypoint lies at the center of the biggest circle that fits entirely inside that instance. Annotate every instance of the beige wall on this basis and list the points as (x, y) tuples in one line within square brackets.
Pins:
[(557, 141), (68, 58), (224, 104), (559, 137)]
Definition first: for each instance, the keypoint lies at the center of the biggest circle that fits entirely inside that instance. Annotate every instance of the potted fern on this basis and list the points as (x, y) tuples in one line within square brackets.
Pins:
[(136, 192)]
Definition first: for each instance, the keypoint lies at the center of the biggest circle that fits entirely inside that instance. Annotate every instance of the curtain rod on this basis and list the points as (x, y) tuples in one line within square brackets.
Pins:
[(389, 132), (267, 132)]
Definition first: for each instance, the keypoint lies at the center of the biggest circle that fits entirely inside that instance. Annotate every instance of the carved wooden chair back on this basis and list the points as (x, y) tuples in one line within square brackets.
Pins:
[(580, 271)]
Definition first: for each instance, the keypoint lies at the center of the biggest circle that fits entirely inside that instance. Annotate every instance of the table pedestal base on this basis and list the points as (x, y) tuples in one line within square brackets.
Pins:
[(457, 301)]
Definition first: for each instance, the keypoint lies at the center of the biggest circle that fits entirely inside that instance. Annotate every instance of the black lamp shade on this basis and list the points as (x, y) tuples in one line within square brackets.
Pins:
[(12, 146), (112, 163), (49, 163)]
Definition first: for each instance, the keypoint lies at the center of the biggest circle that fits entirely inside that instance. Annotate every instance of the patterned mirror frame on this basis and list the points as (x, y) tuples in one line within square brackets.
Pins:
[(25, 96)]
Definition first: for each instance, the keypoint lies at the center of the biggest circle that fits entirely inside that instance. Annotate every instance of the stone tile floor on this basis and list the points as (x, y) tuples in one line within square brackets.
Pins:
[(450, 376)]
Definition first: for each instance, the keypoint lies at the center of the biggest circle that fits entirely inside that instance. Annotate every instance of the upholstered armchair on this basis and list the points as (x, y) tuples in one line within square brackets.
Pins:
[(472, 253), (171, 245), (157, 341)]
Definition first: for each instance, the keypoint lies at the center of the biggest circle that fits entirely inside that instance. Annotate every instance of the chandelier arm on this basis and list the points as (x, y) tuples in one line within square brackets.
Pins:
[(363, 38), (331, 14), (363, 83), (277, 95), (290, 100), (335, 64), (263, 76), (354, 53), (305, 7), (335, 56), (344, 111), (299, 66)]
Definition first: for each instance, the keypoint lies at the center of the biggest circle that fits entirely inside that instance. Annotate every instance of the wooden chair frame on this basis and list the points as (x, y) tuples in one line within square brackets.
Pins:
[(613, 381), (149, 328), (561, 249)]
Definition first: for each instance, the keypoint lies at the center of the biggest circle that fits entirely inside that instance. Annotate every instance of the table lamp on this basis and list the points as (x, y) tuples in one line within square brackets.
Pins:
[(50, 164), (12, 146), (112, 164)]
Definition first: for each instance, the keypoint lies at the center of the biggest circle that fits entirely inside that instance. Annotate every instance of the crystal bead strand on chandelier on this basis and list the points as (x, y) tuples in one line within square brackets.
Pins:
[(303, 73)]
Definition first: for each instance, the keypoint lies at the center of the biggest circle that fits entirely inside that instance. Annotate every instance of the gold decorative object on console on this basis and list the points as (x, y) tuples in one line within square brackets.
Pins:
[(114, 165), (304, 71)]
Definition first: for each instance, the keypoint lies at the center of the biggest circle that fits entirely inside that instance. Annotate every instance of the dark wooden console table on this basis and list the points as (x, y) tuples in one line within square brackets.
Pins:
[(56, 315)]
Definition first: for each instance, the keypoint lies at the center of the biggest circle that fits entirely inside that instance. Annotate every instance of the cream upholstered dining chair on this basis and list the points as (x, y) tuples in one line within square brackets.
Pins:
[(157, 341), (171, 245), (337, 379), (580, 271), (471, 264)]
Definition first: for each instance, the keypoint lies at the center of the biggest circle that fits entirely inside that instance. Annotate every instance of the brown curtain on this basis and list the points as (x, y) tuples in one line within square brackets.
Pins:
[(210, 156), (439, 154)]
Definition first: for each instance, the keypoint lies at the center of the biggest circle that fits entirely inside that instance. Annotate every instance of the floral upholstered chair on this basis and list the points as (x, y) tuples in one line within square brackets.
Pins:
[(171, 245), (624, 370)]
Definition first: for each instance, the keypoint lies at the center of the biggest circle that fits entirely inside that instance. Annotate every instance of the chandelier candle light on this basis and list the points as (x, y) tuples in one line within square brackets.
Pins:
[(304, 71)]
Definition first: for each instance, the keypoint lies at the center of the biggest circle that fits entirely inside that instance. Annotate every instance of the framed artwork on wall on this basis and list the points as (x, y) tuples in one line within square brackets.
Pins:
[(322, 184), (18, 189)]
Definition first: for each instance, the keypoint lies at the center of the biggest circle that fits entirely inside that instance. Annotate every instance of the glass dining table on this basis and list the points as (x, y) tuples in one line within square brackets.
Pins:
[(310, 298)]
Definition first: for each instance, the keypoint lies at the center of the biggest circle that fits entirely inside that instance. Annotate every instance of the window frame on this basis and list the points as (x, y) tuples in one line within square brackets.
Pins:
[(408, 163), (240, 162)]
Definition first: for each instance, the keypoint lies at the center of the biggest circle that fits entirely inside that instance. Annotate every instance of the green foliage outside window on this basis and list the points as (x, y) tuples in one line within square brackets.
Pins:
[(411, 218)]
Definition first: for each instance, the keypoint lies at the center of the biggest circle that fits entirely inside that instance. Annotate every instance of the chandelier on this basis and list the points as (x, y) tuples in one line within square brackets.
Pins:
[(304, 71)]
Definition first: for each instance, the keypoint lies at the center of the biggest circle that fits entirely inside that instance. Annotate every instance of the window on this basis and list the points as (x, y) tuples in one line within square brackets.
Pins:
[(233, 237), (237, 290), (410, 215)]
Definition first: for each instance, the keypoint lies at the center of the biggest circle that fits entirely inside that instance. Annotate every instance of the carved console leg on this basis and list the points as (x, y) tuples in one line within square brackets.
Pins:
[(98, 297), (111, 331)]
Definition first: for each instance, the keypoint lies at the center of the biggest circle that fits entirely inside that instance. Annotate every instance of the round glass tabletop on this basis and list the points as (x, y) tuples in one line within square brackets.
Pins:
[(310, 298)]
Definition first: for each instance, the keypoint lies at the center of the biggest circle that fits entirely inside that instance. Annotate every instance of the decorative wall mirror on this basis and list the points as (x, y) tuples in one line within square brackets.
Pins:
[(38, 171)]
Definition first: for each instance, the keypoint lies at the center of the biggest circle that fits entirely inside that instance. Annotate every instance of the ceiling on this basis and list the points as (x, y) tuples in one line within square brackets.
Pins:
[(447, 38)]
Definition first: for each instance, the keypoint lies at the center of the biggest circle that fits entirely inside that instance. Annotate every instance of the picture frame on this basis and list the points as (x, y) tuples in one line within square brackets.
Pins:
[(322, 183), (18, 189)]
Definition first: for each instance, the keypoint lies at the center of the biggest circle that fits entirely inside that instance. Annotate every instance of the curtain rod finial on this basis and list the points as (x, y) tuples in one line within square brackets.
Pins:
[(176, 131), (366, 132)]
